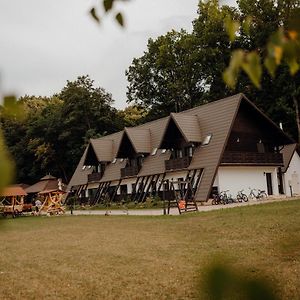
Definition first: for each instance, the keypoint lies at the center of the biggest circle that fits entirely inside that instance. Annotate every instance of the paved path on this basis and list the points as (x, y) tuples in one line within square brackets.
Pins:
[(174, 211)]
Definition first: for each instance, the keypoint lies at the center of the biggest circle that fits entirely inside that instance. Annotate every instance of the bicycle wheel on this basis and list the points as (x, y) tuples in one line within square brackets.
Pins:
[(239, 198), (263, 196), (245, 198)]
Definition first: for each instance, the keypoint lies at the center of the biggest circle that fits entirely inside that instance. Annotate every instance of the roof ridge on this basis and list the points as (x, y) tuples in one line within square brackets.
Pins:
[(239, 96)]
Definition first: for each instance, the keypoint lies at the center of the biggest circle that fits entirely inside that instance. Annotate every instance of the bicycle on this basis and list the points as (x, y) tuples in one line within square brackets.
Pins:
[(226, 198), (216, 199), (241, 196), (261, 194)]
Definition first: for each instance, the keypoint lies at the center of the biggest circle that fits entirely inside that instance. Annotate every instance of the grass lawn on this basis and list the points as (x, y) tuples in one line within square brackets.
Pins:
[(128, 257)]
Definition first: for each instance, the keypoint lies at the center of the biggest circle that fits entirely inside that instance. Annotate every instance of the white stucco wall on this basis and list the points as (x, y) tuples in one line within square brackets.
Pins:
[(292, 176), (235, 179)]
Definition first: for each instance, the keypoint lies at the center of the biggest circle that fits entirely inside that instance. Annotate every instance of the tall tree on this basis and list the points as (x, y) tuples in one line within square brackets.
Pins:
[(156, 79), (51, 137), (166, 77)]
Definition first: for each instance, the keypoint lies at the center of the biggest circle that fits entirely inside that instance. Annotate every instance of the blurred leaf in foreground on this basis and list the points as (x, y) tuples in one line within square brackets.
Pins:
[(6, 165), (220, 281), (13, 108)]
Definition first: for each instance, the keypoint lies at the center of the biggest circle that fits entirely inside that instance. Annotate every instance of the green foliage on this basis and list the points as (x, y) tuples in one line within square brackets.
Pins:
[(50, 139), (166, 77), (180, 70), (108, 6), (133, 115), (272, 28), (94, 15)]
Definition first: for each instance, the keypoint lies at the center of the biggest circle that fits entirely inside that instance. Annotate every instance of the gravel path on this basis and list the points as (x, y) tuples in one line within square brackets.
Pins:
[(173, 211)]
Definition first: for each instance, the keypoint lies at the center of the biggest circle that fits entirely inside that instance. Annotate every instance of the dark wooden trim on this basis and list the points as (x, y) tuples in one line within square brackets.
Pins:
[(178, 163), (116, 190), (252, 158), (141, 196), (94, 177), (133, 192)]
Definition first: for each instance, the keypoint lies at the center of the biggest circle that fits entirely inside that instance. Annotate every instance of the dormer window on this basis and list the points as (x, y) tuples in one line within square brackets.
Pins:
[(207, 139), (114, 161), (154, 151)]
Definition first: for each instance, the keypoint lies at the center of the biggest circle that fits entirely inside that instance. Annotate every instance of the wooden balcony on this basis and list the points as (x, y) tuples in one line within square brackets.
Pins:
[(130, 171), (178, 163), (94, 177), (252, 158)]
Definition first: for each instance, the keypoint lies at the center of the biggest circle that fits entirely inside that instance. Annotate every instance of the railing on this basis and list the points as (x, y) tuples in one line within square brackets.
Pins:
[(178, 163), (130, 171), (252, 158), (94, 177)]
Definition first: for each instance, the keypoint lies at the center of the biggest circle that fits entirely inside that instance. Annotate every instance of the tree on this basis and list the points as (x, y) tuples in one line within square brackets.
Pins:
[(166, 77), (274, 35), (159, 81), (53, 131), (213, 46), (133, 115)]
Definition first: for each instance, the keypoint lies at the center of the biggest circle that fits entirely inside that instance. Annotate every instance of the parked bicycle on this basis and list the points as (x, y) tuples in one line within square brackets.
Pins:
[(222, 198), (227, 198), (241, 196), (261, 194), (216, 199)]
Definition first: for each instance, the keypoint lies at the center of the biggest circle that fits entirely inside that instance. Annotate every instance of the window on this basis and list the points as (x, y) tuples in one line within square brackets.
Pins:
[(114, 161), (154, 151), (207, 139), (163, 150)]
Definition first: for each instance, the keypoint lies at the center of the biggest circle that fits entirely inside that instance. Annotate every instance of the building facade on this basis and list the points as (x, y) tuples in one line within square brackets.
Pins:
[(228, 144)]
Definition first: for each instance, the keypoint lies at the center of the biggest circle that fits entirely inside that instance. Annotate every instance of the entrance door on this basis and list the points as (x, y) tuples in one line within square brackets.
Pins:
[(269, 183)]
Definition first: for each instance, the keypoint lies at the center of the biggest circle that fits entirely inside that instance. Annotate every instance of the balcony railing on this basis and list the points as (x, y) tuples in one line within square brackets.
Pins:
[(94, 177), (252, 158), (178, 163), (130, 171)]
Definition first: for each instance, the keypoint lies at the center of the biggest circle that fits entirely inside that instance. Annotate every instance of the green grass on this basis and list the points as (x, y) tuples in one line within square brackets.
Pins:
[(131, 257)]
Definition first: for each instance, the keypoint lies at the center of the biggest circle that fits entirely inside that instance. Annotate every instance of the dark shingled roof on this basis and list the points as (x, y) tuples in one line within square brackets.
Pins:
[(287, 152), (188, 125), (154, 164), (113, 170), (140, 139), (216, 118), (46, 183), (80, 175), (103, 149)]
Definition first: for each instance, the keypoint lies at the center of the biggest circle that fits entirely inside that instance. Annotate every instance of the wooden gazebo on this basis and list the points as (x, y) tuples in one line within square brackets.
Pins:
[(12, 200)]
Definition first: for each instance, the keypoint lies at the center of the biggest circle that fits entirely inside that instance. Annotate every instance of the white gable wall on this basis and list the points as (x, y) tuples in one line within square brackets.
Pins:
[(239, 178), (292, 176)]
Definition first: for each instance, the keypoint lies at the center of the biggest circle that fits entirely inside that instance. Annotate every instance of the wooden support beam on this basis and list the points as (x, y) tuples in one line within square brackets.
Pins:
[(155, 183), (140, 187), (161, 182), (147, 188), (141, 195), (115, 191), (134, 190)]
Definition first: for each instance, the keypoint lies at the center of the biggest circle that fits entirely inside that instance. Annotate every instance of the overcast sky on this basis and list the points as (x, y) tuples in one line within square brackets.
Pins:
[(44, 43)]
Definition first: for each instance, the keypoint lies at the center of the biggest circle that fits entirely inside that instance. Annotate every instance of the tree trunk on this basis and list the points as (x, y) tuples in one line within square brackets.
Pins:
[(297, 106)]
